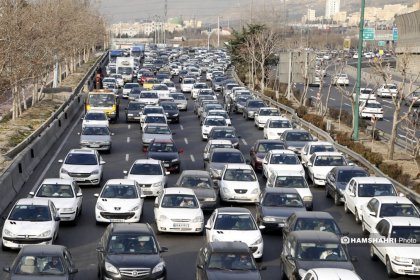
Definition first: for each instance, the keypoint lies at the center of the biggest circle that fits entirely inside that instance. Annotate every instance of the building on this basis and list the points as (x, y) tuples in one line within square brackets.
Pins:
[(408, 41), (310, 15), (331, 8)]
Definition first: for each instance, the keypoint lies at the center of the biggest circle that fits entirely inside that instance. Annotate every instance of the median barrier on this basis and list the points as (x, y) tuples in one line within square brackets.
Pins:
[(7, 192)]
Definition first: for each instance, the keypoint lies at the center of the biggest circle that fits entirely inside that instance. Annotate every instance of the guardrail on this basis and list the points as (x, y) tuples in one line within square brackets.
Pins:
[(413, 196)]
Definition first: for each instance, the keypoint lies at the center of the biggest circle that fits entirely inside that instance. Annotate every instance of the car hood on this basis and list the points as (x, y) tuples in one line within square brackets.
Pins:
[(171, 112), (134, 260), (241, 184), (246, 236), (118, 204), (201, 193), (146, 179), (322, 170), (403, 250), (286, 167), (180, 213), (27, 227), (95, 138), (39, 277), (306, 265), (80, 168), (136, 112), (147, 137), (297, 144), (96, 122), (215, 274), (60, 203), (163, 156), (281, 212)]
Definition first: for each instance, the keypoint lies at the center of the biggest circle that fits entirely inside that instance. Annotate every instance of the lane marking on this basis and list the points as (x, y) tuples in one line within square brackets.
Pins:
[(387, 120), (192, 158), (181, 126), (332, 98), (127, 157), (186, 141), (129, 126), (347, 104), (128, 139), (387, 101), (243, 141), (389, 107)]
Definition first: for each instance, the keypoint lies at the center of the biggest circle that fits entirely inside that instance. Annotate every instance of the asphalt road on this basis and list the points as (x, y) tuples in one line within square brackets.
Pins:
[(82, 239)]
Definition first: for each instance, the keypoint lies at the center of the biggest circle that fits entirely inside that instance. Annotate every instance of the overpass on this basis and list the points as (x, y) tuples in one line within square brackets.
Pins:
[(409, 39)]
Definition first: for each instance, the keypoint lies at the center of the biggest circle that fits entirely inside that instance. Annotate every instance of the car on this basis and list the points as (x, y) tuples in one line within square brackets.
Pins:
[(196, 89), (155, 131), (162, 90), (202, 184), (320, 163), (291, 180), (149, 174), (338, 178), (178, 210), (187, 84), (306, 249), (311, 220), (217, 82), (166, 151), (210, 122), (134, 94), (227, 87), (296, 139), (171, 111), (110, 83), (371, 109), (226, 260), (42, 262), (145, 77), (130, 251), (360, 190), (223, 113), (170, 85), (239, 103), (260, 149), (386, 206), (153, 119), (64, 193), (30, 221), (95, 117), (202, 114), (149, 83), (235, 224), (211, 144), (251, 107), (119, 78), (133, 111), (275, 126), (239, 183), (96, 136), (412, 99), (208, 92), (120, 201), (387, 90), (180, 101), (149, 97), (313, 147), (341, 79), (276, 205), (128, 87), (281, 160), (264, 114), (329, 273), (365, 94), (201, 102), (225, 133), (85, 166), (400, 256), (150, 109), (219, 157)]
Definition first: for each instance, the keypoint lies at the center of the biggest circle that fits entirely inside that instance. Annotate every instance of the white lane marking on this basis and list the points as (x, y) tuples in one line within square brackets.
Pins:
[(387, 101), (403, 136), (186, 141), (53, 159), (347, 104), (127, 157), (182, 128), (389, 107), (192, 158), (311, 89), (128, 139), (129, 126), (387, 120), (243, 141), (332, 98)]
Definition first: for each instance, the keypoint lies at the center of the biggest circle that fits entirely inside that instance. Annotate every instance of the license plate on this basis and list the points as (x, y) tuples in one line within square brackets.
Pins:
[(166, 164), (280, 225), (180, 225), (79, 179), (116, 220), (94, 146)]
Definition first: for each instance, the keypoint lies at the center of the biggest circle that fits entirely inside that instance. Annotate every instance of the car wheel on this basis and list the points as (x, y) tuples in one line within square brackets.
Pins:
[(356, 216), (337, 199), (346, 208), (389, 270), (372, 254)]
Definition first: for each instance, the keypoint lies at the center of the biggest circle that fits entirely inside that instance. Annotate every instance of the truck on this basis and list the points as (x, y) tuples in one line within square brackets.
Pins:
[(137, 50), (125, 67)]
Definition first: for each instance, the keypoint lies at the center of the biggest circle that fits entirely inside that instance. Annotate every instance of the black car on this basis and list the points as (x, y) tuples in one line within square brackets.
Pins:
[(166, 151), (240, 102), (337, 179), (227, 261), (225, 133), (260, 149), (296, 139), (307, 249), (130, 251), (133, 111), (276, 205), (219, 157), (42, 262), (182, 74), (171, 111)]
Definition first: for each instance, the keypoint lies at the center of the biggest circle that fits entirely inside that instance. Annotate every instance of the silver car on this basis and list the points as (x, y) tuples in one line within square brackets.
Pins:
[(155, 131), (96, 136), (180, 100)]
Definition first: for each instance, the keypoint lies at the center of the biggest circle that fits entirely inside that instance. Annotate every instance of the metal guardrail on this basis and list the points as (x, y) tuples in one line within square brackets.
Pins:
[(17, 149), (413, 196)]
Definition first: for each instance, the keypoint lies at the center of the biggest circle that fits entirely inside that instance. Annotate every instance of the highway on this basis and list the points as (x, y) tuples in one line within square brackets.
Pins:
[(180, 259)]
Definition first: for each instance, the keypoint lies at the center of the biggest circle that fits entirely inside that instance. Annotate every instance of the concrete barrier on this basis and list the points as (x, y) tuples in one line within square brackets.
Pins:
[(7, 191)]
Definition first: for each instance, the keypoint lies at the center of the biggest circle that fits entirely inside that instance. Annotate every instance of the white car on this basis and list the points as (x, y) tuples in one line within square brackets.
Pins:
[(149, 97), (210, 122), (196, 89), (371, 108), (31, 221), (239, 183), (315, 147), (320, 163), (95, 118), (292, 179), (387, 90), (264, 114), (216, 143), (366, 94), (64, 193), (222, 113), (235, 224), (275, 126), (401, 258), (341, 79), (187, 84), (281, 160), (328, 273), (127, 88), (178, 210), (171, 86), (120, 201), (153, 119), (119, 78), (162, 90), (150, 109), (360, 190), (386, 206), (149, 174), (85, 166)]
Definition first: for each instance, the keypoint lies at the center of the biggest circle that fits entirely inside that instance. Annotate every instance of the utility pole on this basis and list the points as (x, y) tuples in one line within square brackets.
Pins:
[(165, 20), (359, 73), (218, 31)]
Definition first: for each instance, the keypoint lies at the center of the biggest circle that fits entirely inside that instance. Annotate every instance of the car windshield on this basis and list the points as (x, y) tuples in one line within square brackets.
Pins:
[(192, 181), (132, 243), (245, 175), (157, 129), (160, 87), (148, 95), (149, 110), (282, 200), (404, 234), (284, 159), (371, 190), (33, 213), (227, 157), (317, 224), (266, 147), (223, 133), (162, 147), (231, 261), (234, 222), (269, 112), (344, 176), (200, 86), (299, 136), (178, 97), (373, 105), (40, 265), (99, 130), (98, 100), (330, 161), (188, 81), (321, 148), (55, 190), (81, 159), (127, 86), (290, 182), (96, 117), (280, 124), (135, 106), (218, 113), (215, 122), (146, 169), (121, 191), (320, 251), (398, 210), (179, 201), (255, 104), (155, 119), (170, 106)]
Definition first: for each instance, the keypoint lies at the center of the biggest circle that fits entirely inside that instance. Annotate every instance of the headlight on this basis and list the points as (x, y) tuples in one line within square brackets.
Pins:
[(175, 115), (175, 160), (157, 185), (269, 219), (258, 241), (135, 208), (95, 172), (226, 190), (8, 233), (198, 219), (99, 207), (110, 268), (67, 210), (163, 217), (307, 198), (255, 191), (45, 234), (130, 115), (159, 267), (84, 142), (210, 199), (402, 260), (63, 171)]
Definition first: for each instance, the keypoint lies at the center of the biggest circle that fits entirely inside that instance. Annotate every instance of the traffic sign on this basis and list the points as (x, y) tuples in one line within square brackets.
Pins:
[(347, 44), (369, 34), (395, 34), (381, 43)]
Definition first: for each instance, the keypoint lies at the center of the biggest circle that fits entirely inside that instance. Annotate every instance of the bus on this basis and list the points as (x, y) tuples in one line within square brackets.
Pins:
[(105, 101)]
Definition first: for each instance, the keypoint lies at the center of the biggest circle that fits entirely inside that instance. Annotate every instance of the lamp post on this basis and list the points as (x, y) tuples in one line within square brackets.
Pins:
[(355, 135)]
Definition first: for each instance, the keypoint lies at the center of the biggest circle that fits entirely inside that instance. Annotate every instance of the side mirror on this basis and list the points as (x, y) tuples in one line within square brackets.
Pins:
[(156, 205), (96, 195), (73, 270), (143, 196), (200, 266), (352, 195), (31, 194), (78, 133), (57, 219), (261, 227), (401, 194), (208, 226), (167, 173), (163, 249), (112, 133), (102, 162), (79, 194), (263, 267), (315, 139), (173, 133), (265, 161), (125, 172), (6, 269), (309, 164), (60, 161), (239, 136)]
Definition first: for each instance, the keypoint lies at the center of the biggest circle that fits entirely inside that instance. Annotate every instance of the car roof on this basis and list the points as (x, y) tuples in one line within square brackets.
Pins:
[(320, 143), (233, 210), (328, 154), (32, 201), (42, 250), (229, 247), (195, 172), (148, 161), (281, 190), (57, 181), (295, 130), (179, 190), (131, 227), (262, 141), (82, 151), (283, 151), (393, 199), (96, 125), (372, 180), (278, 118), (120, 182), (350, 167), (403, 221), (243, 166), (315, 236), (293, 173), (313, 214), (219, 141)]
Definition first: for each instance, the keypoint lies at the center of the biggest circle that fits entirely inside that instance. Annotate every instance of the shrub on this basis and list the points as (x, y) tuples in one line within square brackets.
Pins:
[(301, 111), (316, 120), (270, 93), (334, 113), (391, 169), (283, 100)]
